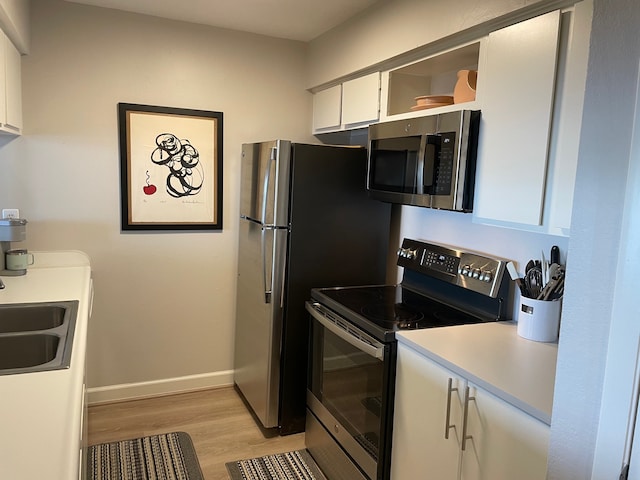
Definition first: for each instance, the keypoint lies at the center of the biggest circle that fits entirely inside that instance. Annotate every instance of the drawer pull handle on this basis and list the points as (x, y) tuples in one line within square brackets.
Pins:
[(466, 437), (447, 426)]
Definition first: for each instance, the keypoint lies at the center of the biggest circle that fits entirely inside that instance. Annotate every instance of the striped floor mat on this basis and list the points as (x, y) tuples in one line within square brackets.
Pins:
[(297, 465), (169, 456)]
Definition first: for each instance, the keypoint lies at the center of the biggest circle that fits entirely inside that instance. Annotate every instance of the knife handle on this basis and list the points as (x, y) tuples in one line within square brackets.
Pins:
[(555, 255)]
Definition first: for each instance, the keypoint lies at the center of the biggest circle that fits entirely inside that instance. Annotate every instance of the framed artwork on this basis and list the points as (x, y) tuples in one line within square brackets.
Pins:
[(170, 168)]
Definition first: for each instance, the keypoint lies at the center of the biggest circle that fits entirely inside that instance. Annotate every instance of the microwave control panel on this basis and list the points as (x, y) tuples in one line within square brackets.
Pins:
[(444, 165)]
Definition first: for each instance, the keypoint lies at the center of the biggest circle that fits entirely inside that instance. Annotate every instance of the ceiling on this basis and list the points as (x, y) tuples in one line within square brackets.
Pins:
[(291, 19)]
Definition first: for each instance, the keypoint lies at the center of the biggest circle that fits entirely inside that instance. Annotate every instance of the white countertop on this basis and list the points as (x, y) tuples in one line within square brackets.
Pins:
[(494, 357), (40, 413)]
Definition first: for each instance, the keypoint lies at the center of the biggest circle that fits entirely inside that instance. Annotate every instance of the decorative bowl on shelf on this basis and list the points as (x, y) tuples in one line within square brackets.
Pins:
[(465, 89), (431, 101)]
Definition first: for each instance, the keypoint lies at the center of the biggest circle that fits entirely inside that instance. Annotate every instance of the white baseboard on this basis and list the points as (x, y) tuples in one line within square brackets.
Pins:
[(155, 388)]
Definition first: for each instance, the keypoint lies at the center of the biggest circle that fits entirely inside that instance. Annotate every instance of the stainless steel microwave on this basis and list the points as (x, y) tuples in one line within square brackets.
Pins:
[(425, 161)]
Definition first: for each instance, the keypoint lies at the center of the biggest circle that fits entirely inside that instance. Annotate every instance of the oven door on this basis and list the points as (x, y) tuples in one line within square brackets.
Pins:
[(349, 389)]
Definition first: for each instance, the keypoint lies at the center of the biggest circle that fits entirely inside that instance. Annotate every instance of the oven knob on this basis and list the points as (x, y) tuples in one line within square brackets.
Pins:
[(407, 253), (488, 276), (465, 269), (476, 273)]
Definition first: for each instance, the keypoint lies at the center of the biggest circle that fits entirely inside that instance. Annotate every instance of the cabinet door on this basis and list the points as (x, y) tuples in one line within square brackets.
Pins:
[(327, 105), (504, 441), (3, 79), (517, 87), (361, 99), (419, 448), (13, 63)]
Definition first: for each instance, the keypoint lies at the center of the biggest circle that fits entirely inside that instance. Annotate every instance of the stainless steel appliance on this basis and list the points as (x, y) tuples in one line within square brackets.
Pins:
[(353, 349), (303, 210), (11, 230), (425, 161)]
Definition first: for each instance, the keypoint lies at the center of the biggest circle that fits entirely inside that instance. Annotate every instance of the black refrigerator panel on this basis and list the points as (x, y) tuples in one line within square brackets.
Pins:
[(338, 237)]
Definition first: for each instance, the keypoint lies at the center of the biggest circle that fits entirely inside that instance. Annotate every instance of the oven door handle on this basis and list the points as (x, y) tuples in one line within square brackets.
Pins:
[(371, 350)]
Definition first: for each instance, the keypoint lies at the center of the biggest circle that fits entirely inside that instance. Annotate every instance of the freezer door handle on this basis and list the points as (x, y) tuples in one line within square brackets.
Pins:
[(266, 184), (265, 192)]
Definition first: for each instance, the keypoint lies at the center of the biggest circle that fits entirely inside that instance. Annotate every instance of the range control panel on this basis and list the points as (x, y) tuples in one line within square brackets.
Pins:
[(470, 270)]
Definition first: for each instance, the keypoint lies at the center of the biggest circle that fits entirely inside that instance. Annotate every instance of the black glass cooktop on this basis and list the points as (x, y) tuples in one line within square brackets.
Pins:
[(382, 310)]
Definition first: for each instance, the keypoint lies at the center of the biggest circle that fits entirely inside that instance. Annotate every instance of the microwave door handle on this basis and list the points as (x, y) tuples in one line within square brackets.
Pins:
[(419, 168), (371, 350)]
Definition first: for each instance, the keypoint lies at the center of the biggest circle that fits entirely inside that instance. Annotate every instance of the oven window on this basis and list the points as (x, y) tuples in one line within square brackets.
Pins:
[(394, 164), (349, 383)]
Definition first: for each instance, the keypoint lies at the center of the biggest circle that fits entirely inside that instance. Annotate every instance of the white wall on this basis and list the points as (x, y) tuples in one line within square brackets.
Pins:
[(601, 186), (165, 302), (621, 382)]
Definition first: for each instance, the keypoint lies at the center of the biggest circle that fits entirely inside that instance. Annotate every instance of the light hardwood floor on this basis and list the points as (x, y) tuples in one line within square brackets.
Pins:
[(217, 420)]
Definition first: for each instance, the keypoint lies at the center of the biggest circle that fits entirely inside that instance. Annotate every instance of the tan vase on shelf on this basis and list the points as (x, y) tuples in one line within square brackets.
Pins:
[(465, 89)]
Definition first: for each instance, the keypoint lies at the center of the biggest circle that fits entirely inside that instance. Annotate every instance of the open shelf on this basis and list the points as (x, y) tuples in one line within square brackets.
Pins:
[(436, 75)]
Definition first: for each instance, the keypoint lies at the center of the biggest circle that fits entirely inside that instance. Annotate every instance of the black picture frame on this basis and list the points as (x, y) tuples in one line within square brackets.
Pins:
[(170, 168)]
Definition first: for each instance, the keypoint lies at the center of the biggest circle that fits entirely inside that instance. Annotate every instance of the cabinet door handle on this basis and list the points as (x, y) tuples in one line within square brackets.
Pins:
[(447, 426), (465, 419)]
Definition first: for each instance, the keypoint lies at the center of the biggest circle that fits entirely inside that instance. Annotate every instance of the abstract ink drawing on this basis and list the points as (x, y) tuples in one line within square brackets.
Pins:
[(185, 175)]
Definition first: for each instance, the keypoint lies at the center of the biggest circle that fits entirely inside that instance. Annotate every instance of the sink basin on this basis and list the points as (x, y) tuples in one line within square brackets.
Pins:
[(36, 337), (29, 317), (21, 351)]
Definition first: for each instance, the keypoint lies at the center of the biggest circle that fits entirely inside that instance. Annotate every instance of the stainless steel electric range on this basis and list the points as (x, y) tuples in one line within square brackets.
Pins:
[(353, 348)]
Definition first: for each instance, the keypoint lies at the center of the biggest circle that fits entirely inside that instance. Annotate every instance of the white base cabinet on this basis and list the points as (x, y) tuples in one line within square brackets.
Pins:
[(445, 427)]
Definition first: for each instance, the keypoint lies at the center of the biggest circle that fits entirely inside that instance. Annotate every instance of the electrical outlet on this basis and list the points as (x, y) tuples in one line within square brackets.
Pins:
[(10, 213)]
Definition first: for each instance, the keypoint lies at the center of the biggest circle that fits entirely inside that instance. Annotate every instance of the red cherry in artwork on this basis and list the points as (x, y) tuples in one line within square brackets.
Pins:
[(149, 189)]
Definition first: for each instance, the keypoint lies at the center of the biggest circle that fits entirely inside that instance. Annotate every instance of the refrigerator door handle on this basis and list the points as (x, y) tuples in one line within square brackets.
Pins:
[(268, 288)]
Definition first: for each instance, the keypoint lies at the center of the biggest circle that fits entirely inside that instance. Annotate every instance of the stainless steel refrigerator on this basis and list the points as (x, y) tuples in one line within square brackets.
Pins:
[(304, 211)]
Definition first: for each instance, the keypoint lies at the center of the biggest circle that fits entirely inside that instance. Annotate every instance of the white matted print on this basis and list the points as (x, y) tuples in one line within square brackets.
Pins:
[(171, 168)]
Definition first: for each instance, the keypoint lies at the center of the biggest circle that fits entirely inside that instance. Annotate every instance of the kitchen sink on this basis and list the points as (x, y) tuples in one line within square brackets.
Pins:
[(36, 337), (23, 351), (22, 318)]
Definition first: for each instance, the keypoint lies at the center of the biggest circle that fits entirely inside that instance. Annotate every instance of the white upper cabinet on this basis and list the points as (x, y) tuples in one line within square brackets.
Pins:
[(352, 104), (361, 99), (3, 80), (10, 87), (518, 81), (532, 88), (327, 108)]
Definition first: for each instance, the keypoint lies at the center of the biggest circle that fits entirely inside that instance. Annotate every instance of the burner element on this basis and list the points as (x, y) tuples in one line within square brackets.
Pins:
[(392, 314)]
